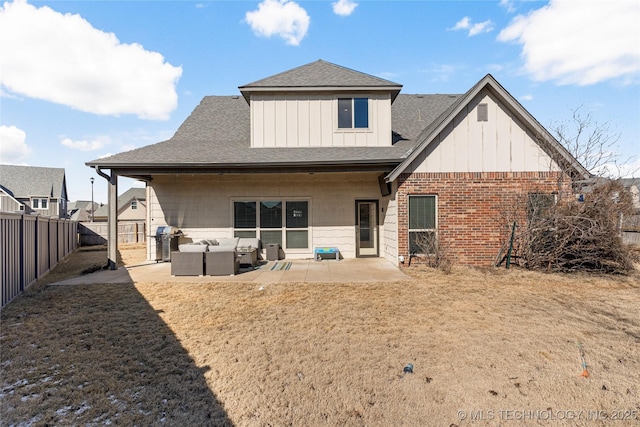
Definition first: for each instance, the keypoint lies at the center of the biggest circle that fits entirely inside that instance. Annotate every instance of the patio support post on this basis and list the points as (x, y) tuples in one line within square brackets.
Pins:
[(112, 218), (112, 244)]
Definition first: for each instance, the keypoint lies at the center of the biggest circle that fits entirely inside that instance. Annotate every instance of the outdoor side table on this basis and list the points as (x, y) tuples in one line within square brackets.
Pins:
[(248, 256)]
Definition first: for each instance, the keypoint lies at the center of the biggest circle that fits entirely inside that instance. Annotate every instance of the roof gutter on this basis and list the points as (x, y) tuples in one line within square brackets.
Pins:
[(102, 174)]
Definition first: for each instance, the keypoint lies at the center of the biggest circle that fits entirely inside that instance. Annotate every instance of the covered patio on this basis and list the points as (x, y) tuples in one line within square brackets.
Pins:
[(306, 270)]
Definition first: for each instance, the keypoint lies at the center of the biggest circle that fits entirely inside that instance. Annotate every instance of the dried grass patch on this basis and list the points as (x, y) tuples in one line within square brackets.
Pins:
[(324, 354)]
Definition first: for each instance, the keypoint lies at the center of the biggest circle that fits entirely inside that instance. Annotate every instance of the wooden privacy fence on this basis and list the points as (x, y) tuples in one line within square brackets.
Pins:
[(30, 246), (97, 233)]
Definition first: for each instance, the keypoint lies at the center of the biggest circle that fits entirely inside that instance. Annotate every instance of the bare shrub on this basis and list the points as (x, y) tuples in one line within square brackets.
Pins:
[(436, 254), (578, 235)]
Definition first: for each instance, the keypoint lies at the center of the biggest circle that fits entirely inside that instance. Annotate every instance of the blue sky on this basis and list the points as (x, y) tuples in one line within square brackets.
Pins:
[(85, 79)]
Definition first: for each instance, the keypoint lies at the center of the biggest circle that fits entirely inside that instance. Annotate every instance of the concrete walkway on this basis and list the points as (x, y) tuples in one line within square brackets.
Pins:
[(325, 271)]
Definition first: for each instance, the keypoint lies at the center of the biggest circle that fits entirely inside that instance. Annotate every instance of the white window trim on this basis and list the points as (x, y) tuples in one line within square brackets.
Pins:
[(40, 199), (352, 129)]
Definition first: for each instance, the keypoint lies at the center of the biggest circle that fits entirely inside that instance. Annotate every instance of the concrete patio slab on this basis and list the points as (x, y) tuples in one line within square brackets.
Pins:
[(326, 271)]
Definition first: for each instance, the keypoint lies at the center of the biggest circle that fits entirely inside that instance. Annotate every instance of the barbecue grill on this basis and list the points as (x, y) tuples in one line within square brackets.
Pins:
[(166, 242)]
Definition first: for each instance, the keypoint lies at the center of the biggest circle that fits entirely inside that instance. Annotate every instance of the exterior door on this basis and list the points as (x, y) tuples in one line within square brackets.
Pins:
[(366, 228)]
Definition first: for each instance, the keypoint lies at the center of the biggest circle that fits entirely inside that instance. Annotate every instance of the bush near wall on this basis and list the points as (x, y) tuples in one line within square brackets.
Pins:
[(471, 208)]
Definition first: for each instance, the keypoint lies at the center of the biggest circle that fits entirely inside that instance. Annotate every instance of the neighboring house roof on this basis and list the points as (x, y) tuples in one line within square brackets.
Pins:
[(630, 182), (28, 181), (321, 75), (7, 193), (80, 210), (134, 193)]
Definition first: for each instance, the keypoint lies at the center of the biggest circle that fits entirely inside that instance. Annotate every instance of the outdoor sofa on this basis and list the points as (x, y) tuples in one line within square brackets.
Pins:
[(215, 257)]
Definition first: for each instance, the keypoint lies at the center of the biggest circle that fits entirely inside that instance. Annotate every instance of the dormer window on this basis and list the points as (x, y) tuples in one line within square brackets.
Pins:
[(134, 204), (353, 113)]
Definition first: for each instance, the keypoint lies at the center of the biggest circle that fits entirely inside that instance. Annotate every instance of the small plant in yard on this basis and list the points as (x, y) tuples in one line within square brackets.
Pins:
[(436, 254)]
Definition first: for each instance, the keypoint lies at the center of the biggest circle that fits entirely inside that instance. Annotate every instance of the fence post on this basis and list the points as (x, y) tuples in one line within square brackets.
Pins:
[(22, 251)]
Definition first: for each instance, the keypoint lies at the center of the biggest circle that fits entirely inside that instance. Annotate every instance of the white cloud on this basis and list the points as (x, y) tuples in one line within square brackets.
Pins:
[(462, 24), (579, 42), (344, 7), (283, 18), (13, 148), (473, 29), (86, 145), (508, 4), (527, 97), (480, 27), (63, 59)]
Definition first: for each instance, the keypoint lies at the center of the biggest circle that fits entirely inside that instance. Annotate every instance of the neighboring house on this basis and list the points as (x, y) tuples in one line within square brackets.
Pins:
[(81, 211), (132, 206), (633, 185), (325, 156), (33, 190), (630, 225)]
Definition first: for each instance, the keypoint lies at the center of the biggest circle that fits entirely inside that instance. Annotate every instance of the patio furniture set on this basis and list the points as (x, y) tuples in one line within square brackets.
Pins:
[(216, 257)]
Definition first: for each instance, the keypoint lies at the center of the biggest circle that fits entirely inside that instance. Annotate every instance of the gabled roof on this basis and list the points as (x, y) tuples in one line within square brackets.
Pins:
[(7, 193), (134, 193), (216, 136), (80, 210), (429, 134), (30, 181), (321, 76)]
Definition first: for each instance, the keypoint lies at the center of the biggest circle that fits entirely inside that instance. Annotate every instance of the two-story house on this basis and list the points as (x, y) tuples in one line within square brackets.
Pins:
[(33, 190), (322, 155), (132, 206)]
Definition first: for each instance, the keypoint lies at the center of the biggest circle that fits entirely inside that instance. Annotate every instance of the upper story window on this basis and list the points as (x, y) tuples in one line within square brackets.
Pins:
[(134, 204), (353, 113), (40, 203)]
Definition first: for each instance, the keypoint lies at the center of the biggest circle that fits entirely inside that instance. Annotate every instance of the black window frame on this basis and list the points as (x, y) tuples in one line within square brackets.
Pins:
[(353, 112), (424, 226)]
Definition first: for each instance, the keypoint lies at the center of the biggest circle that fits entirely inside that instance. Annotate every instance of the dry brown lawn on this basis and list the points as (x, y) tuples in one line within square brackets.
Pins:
[(489, 348)]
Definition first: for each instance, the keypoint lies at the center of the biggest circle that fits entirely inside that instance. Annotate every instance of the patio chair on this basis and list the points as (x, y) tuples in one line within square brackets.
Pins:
[(221, 261), (187, 263)]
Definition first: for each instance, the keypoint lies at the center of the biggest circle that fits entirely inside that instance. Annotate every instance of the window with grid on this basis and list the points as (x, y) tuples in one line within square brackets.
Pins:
[(39, 203), (422, 223), (273, 221)]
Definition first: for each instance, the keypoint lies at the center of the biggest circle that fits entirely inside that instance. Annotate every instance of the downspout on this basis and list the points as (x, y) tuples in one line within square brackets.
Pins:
[(112, 218)]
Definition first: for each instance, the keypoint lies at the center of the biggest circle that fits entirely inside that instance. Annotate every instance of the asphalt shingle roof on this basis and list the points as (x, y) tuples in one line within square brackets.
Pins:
[(218, 133), (321, 74), (27, 181), (131, 194)]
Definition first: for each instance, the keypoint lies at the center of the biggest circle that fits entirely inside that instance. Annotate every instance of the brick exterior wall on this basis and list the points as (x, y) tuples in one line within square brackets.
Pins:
[(471, 207)]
